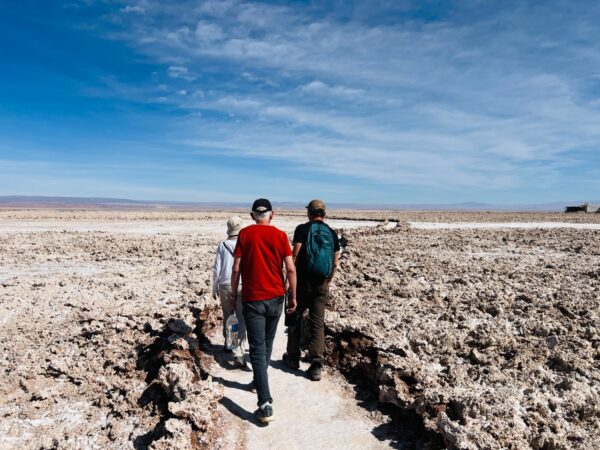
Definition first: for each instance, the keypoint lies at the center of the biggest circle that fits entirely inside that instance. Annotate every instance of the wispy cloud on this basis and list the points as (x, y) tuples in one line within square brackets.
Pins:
[(133, 9), (180, 72), (208, 32), (319, 88), (476, 98)]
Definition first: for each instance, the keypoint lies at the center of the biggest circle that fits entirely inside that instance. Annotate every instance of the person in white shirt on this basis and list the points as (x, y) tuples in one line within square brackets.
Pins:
[(221, 286)]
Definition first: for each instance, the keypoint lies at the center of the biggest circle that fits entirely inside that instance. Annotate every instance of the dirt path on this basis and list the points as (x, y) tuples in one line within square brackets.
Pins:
[(317, 415)]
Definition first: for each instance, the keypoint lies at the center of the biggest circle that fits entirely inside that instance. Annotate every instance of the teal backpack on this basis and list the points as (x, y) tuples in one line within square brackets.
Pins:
[(319, 250)]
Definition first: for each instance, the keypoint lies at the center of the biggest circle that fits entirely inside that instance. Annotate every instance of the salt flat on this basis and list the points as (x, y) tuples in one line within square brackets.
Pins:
[(209, 227), (86, 298), (502, 225), (478, 328)]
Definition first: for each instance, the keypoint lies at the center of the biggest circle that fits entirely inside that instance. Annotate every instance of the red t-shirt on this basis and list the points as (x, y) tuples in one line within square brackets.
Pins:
[(262, 249)]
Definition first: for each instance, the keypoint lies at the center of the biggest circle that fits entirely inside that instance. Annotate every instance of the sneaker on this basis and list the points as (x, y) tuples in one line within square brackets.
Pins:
[(314, 371), (265, 413), (292, 363)]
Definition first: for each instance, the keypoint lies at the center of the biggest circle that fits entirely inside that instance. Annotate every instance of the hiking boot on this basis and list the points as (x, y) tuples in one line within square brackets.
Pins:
[(265, 413), (314, 371), (292, 363)]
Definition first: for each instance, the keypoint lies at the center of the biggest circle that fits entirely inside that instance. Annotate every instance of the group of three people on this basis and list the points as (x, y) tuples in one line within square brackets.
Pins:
[(254, 257)]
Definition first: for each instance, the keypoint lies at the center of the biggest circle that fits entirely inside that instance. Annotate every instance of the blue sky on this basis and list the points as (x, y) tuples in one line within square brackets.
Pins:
[(368, 102)]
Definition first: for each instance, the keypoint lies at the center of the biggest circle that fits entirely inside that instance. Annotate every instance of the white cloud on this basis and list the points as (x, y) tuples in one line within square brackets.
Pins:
[(260, 16), (216, 8), (133, 9), (477, 99), (180, 72), (238, 104), (208, 32), (321, 88), (179, 36)]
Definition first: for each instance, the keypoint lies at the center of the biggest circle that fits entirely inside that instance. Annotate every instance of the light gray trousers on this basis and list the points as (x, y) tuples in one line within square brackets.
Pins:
[(225, 297)]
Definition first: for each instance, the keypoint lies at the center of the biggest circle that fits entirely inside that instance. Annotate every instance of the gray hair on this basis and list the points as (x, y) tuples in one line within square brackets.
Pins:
[(260, 215)]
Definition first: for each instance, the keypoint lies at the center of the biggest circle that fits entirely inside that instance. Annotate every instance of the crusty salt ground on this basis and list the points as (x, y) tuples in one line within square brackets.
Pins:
[(83, 297), (83, 293), (502, 225), (490, 336), (207, 227)]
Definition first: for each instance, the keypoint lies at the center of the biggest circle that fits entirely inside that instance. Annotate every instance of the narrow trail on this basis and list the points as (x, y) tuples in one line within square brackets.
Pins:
[(316, 415)]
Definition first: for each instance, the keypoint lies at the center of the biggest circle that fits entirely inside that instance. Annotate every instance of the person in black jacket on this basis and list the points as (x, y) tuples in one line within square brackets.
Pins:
[(312, 293)]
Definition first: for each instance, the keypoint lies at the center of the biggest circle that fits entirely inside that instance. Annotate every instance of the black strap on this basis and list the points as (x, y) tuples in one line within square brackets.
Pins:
[(228, 249)]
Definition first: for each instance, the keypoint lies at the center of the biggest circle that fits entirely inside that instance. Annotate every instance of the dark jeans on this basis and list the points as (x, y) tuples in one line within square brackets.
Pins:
[(312, 295), (261, 324)]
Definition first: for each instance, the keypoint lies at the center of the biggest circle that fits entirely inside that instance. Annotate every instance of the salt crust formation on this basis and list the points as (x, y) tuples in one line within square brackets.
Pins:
[(105, 356), (491, 337), (465, 216)]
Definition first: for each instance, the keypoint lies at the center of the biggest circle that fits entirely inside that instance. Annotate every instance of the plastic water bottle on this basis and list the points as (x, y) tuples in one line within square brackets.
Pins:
[(231, 333)]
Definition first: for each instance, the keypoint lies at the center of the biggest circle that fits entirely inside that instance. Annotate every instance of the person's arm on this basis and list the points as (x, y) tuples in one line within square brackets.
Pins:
[(297, 241), (216, 272), (336, 262), (336, 254), (296, 250), (235, 280), (290, 269)]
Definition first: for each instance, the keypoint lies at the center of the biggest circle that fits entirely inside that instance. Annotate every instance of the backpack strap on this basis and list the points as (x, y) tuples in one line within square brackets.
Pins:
[(227, 248)]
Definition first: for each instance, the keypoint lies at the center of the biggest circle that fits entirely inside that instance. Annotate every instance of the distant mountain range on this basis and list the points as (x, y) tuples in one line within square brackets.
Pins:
[(22, 201)]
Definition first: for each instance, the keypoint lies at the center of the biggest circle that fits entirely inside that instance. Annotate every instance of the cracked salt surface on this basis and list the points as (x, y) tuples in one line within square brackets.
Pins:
[(210, 228), (5, 317), (49, 269), (501, 225), (71, 415)]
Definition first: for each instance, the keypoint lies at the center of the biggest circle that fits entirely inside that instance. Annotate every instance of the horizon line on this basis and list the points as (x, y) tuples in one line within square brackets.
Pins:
[(49, 200)]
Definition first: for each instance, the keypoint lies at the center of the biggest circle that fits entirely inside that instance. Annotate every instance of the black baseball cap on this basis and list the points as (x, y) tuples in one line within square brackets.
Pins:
[(261, 205)]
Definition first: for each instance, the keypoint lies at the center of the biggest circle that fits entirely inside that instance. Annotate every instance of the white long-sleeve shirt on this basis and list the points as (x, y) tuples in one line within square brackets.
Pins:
[(223, 264)]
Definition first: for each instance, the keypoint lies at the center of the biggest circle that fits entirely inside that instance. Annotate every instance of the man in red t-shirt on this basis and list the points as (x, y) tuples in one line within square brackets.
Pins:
[(260, 254)]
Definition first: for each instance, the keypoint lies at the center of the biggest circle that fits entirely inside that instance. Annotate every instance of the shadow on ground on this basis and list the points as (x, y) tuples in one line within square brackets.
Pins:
[(225, 360), (281, 365), (240, 412)]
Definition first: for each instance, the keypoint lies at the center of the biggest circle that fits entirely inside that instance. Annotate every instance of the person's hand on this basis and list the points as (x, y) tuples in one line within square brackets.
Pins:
[(233, 302), (292, 304)]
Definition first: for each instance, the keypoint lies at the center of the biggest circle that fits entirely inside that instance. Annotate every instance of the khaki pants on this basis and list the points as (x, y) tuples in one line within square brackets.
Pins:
[(225, 297)]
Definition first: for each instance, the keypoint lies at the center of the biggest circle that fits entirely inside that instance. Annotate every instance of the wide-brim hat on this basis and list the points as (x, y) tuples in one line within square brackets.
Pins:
[(234, 225)]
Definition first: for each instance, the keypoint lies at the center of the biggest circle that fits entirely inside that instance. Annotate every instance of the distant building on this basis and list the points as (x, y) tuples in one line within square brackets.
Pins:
[(585, 208)]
